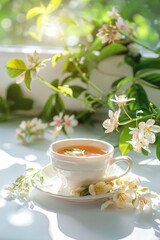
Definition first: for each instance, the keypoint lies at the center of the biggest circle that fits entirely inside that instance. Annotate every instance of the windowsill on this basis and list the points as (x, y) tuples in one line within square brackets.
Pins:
[(29, 49)]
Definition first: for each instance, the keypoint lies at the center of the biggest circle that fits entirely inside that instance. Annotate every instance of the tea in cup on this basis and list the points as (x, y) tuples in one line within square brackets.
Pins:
[(83, 161)]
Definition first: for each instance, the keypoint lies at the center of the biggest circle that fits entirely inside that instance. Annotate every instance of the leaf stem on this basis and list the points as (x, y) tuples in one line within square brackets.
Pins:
[(126, 112), (83, 76), (136, 119), (47, 84)]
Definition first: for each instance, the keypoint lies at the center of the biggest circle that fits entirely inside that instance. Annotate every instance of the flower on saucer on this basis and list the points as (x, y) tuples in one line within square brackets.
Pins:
[(99, 188), (122, 198)]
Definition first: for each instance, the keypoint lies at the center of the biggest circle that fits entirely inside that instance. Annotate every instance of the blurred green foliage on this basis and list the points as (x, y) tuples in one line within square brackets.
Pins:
[(88, 13)]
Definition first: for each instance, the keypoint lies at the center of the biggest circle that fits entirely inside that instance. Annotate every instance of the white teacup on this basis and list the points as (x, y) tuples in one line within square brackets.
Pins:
[(83, 169)]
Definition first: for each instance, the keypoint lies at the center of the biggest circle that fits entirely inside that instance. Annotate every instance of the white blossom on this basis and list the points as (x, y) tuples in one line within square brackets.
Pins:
[(144, 135), (121, 24), (121, 100), (69, 123), (114, 13), (113, 122), (145, 199), (28, 130), (57, 120), (149, 130), (122, 198), (63, 122), (99, 188)]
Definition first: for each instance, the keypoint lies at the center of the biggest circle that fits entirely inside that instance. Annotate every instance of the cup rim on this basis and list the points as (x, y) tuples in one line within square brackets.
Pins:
[(111, 148)]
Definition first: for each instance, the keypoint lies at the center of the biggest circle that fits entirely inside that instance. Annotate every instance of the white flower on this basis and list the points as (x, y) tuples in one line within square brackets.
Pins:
[(66, 122), (99, 188), (34, 65), (57, 120), (149, 129), (56, 132), (121, 100), (144, 199), (134, 184), (108, 33), (114, 13), (106, 204), (121, 24), (122, 198), (144, 135), (111, 124), (30, 129), (69, 123), (37, 125), (138, 140)]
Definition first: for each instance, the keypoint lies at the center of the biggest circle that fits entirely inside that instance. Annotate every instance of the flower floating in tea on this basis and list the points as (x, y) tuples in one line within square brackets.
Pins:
[(74, 151)]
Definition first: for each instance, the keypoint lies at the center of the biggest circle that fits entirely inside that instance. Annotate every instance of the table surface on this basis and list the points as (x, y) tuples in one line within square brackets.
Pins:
[(59, 219)]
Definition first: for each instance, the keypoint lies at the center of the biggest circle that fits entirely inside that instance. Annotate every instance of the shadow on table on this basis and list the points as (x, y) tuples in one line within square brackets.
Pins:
[(83, 221)]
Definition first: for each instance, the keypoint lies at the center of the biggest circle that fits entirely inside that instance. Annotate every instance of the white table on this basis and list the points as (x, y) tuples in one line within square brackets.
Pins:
[(63, 220)]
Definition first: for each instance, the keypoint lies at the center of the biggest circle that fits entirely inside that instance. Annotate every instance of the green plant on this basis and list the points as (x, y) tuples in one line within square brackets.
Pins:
[(114, 37), (13, 102)]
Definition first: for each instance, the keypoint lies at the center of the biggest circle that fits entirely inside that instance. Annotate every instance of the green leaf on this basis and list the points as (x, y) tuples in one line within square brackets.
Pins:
[(144, 151), (3, 105), (67, 20), (121, 82), (158, 148), (67, 79), (47, 112), (36, 36), (15, 67), (28, 79), (42, 21), (152, 63), (55, 83), (35, 11), (124, 146), (22, 104), (111, 50), (137, 91), (77, 90), (59, 106), (53, 5), (58, 56), (153, 79), (14, 92)]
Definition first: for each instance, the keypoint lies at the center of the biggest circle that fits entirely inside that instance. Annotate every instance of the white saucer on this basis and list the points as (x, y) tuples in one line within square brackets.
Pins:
[(54, 187)]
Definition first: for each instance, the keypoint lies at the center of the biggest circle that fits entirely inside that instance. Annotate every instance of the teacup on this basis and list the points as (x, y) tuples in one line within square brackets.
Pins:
[(83, 161)]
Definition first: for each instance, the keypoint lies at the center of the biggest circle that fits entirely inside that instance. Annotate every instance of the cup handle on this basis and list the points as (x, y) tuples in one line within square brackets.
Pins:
[(126, 159)]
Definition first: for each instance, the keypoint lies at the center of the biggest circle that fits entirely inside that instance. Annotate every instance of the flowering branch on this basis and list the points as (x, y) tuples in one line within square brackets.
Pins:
[(34, 129), (23, 185), (124, 192), (143, 133)]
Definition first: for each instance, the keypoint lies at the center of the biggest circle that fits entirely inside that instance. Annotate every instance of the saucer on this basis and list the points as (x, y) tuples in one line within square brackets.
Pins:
[(53, 186)]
